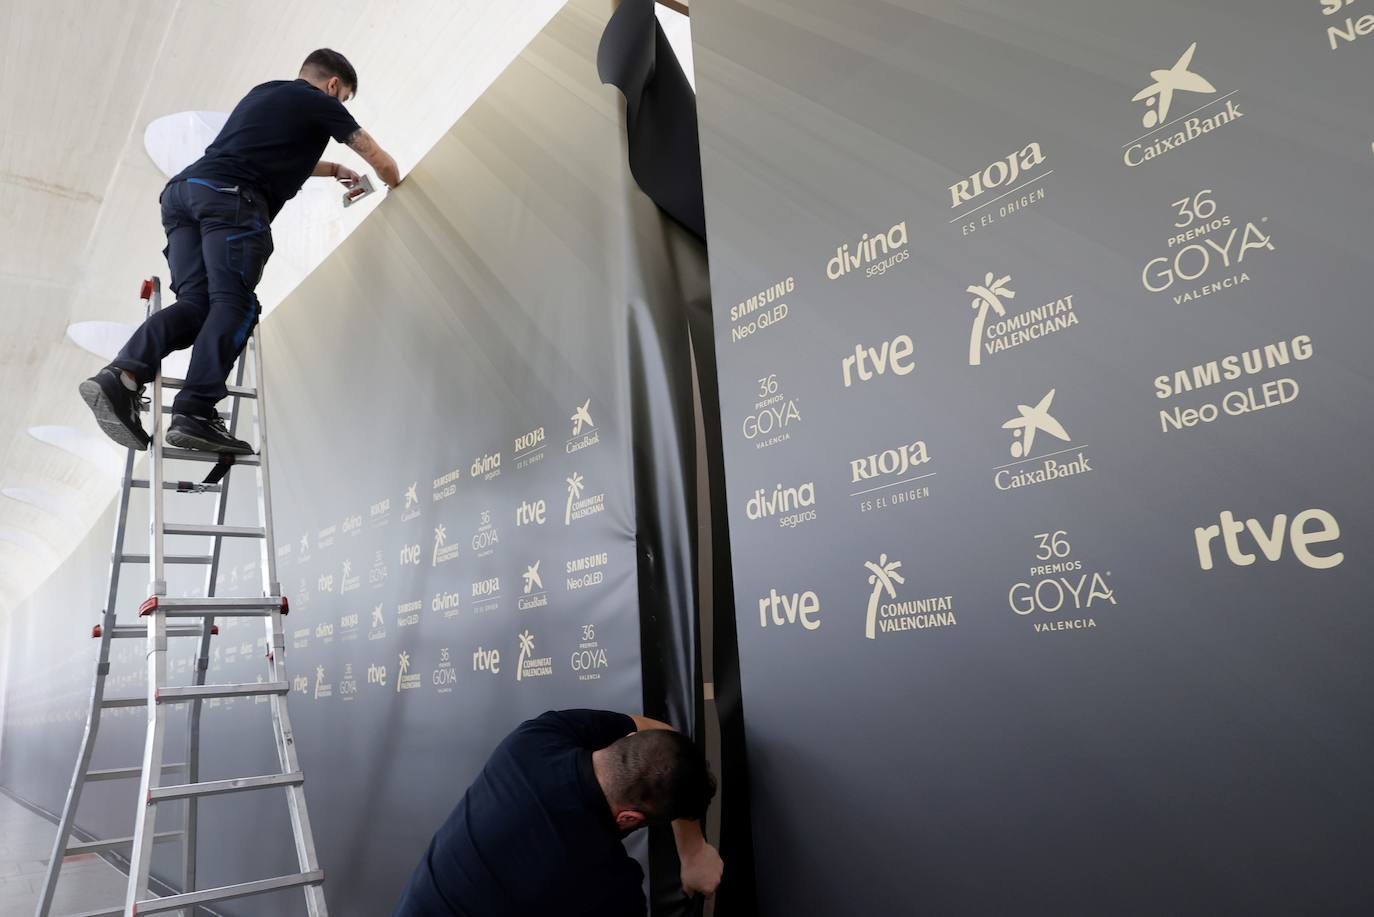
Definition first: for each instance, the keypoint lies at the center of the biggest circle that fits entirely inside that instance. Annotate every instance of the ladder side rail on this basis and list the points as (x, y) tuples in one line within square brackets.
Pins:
[(202, 666), (145, 822), (281, 720), (102, 669)]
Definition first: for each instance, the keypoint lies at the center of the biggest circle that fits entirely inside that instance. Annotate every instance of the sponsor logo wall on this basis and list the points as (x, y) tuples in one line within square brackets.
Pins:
[(1043, 338), (454, 517)]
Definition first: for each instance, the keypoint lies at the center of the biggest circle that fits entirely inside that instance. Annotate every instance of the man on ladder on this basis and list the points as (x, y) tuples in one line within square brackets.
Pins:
[(217, 214)]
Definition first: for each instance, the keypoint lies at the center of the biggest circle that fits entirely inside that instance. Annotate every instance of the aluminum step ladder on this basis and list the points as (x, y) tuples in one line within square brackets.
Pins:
[(195, 617)]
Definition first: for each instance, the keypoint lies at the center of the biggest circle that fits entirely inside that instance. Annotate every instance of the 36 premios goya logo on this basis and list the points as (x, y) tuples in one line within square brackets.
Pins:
[(1207, 252), (773, 415), (1060, 593)]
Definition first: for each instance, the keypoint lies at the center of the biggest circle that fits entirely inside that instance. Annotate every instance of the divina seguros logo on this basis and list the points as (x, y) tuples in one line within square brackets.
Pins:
[(874, 254), (791, 505)]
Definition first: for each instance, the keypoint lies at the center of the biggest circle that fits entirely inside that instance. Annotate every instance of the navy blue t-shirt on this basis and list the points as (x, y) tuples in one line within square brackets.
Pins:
[(273, 139), (534, 834)]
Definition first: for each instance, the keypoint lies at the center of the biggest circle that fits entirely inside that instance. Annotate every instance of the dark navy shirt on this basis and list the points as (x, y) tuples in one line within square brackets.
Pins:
[(273, 139), (533, 835)]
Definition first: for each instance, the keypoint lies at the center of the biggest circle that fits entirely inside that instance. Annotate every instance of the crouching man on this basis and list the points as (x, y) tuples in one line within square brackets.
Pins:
[(539, 831)]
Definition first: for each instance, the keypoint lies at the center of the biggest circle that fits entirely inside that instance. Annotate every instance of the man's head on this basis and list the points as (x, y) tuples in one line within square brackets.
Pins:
[(655, 776), (331, 72)]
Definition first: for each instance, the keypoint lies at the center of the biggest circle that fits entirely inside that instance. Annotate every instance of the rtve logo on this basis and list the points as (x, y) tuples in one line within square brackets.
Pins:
[(1309, 527), (867, 362), (528, 513)]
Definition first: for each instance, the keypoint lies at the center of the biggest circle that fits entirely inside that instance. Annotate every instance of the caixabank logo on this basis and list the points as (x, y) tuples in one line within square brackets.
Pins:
[(1176, 83), (1032, 466)]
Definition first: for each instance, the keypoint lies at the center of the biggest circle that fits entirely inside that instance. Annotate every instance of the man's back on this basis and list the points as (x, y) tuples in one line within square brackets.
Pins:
[(273, 139), (534, 833)]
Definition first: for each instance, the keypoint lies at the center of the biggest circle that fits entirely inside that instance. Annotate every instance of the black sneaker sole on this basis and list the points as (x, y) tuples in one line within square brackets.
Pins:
[(183, 440), (108, 418)]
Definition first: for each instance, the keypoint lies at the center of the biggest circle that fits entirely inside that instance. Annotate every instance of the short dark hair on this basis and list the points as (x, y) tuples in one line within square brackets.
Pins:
[(326, 63), (660, 773)]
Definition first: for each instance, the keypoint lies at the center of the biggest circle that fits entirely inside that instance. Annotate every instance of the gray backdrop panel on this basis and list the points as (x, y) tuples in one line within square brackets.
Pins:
[(1190, 740)]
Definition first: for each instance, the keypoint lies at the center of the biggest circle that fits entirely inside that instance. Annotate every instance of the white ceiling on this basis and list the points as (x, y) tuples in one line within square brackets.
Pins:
[(79, 225)]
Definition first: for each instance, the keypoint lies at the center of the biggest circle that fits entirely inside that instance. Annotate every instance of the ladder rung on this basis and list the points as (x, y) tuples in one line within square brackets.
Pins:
[(110, 843), (137, 631), (226, 892), (109, 702), (196, 455), (235, 391), (218, 787), (228, 531), (167, 559), (122, 773), (214, 606), (185, 486), (181, 694)]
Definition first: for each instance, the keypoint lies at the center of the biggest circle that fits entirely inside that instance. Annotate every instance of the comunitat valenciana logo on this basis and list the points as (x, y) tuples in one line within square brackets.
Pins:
[(1166, 135), (872, 255), (888, 613)]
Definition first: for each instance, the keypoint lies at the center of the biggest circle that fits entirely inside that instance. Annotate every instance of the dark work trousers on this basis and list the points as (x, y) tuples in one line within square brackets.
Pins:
[(218, 241)]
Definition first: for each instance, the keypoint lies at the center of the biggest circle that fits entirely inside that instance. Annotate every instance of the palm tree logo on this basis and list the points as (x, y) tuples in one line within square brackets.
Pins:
[(883, 577), (526, 648), (403, 664), (574, 491), (988, 295), (319, 679), (440, 537)]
